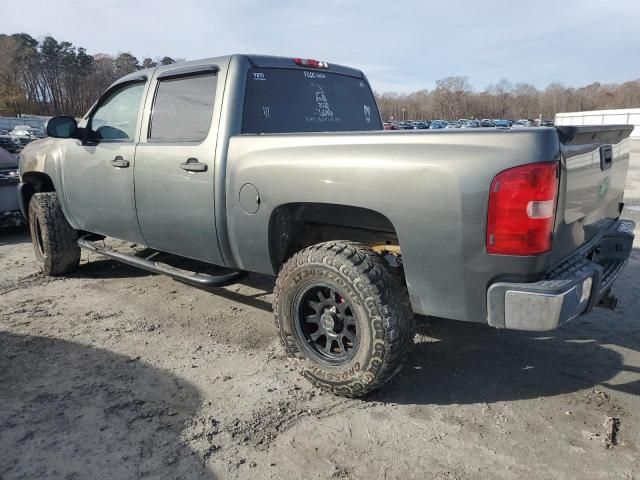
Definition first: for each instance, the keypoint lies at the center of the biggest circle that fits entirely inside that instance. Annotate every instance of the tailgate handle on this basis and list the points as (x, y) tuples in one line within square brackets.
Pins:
[(606, 157)]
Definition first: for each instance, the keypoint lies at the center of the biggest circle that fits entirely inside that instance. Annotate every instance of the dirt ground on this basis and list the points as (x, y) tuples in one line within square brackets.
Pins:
[(117, 373)]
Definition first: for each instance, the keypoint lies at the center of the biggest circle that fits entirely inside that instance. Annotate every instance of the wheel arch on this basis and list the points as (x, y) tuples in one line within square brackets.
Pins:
[(294, 226), (33, 182)]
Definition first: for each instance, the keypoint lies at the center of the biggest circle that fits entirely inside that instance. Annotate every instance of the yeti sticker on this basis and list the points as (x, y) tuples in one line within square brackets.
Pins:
[(367, 113), (258, 76)]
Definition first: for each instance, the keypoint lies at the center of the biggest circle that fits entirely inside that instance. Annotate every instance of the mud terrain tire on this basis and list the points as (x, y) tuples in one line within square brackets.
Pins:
[(324, 290), (54, 240)]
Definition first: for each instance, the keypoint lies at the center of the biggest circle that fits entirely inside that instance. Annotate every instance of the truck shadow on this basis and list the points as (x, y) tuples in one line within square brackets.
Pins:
[(14, 235), (101, 267), (456, 363), (460, 363), (76, 411), (263, 283)]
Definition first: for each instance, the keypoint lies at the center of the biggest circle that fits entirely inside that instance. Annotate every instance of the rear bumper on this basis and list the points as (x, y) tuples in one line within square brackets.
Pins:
[(571, 289)]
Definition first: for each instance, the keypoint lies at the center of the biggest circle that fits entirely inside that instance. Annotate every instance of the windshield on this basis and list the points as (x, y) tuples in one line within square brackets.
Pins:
[(283, 100)]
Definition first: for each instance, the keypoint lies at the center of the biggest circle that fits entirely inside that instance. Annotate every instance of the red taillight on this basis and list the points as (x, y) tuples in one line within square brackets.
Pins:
[(522, 209), (310, 63)]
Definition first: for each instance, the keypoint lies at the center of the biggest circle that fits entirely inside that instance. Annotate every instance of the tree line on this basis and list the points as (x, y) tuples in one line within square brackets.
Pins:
[(454, 98), (51, 77)]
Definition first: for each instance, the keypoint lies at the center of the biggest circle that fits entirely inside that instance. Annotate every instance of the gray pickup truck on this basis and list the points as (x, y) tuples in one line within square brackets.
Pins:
[(280, 166)]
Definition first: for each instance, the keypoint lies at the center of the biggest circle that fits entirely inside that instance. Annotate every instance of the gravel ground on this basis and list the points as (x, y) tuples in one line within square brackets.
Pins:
[(117, 373)]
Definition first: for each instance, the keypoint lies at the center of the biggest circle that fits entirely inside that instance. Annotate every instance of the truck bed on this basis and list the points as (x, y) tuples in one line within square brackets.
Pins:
[(433, 187)]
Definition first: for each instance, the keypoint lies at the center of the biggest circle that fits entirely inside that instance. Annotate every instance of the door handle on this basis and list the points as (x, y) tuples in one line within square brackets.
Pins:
[(193, 165), (119, 162)]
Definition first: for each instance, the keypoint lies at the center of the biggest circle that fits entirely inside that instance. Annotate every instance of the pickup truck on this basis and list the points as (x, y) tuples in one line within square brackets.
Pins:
[(281, 166)]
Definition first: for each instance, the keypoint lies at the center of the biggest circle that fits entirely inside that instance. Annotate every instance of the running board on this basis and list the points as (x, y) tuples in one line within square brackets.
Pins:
[(194, 278)]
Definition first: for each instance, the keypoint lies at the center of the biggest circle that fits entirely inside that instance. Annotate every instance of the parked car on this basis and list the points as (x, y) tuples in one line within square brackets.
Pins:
[(501, 123), (452, 125), (24, 134), (522, 124), (389, 126), (546, 123), (421, 125), (437, 124), (38, 131), (9, 143), (361, 228), (10, 214), (471, 124)]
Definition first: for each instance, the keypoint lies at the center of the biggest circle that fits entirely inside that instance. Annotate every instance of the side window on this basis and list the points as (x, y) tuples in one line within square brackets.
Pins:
[(117, 117), (182, 109)]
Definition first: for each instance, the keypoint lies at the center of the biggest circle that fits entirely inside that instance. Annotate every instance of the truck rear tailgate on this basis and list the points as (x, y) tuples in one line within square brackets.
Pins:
[(591, 244), (595, 160)]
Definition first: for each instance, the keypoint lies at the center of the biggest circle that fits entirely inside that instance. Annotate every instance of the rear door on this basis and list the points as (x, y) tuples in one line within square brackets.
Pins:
[(174, 168)]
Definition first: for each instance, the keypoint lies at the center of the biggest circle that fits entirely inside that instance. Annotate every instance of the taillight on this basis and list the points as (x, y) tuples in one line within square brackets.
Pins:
[(310, 63), (522, 209)]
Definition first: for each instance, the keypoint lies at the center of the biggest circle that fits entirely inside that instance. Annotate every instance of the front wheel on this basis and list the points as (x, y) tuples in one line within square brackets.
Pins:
[(55, 242), (343, 317)]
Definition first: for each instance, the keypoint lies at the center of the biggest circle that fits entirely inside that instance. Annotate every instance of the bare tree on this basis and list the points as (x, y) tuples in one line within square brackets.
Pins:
[(149, 63), (451, 94), (51, 77)]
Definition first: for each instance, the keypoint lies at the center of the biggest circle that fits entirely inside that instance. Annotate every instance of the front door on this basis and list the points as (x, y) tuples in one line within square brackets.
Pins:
[(98, 172), (174, 170)]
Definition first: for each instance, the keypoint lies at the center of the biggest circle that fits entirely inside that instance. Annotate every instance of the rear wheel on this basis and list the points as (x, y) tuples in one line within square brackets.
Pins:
[(54, 240), (343, 317)]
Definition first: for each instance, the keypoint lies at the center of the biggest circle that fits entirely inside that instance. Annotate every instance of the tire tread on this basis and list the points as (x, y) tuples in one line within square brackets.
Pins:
[(371, 276), (60, 240)]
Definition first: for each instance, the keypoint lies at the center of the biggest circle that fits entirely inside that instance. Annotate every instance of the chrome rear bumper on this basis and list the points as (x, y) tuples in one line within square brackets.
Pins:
[(571, 289)]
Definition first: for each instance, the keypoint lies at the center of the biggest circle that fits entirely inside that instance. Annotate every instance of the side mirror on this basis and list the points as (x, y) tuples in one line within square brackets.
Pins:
[(62, 127)]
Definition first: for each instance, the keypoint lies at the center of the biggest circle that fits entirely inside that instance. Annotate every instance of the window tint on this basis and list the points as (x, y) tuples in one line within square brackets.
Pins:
[(183, 108), (283, 100), (117, 117)]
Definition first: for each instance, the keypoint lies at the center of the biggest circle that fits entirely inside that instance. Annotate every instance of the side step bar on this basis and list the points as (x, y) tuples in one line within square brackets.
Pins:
[(194, 278)]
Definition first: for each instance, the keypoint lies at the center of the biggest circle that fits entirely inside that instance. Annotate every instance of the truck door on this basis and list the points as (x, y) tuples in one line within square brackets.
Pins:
[(174, 169), (98, 171)]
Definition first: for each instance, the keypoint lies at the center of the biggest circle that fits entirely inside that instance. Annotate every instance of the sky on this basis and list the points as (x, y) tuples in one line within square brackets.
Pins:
[(402, 46)]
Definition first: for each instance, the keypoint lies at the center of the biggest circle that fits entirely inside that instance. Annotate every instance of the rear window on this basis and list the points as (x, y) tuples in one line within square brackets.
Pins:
[(282, 100)]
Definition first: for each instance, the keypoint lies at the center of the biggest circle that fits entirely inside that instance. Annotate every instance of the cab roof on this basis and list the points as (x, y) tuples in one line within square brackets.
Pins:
[(261, 61)]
